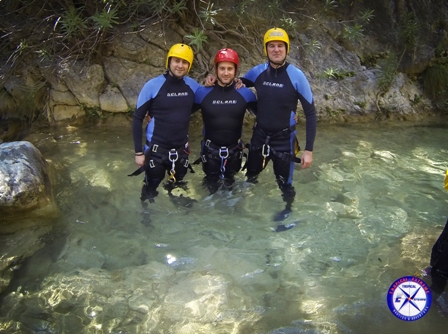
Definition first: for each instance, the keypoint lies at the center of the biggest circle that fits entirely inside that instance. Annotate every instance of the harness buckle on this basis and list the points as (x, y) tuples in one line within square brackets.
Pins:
[(172, 155), (223, 152), (207, 142), (155, 147), (151, 163)]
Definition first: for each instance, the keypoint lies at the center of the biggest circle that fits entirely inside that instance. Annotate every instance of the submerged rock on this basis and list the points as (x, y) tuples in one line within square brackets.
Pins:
[(25, 184)]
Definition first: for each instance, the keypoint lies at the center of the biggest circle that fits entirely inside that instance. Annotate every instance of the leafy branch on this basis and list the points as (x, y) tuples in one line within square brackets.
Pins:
[(198, 39)]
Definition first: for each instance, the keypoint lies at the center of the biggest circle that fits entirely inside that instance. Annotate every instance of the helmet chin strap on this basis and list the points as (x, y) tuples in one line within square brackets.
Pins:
[(173, 75), (278, 64)]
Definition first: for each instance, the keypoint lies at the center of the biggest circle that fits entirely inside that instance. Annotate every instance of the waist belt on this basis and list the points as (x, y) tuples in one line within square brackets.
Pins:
[(220, 152), (267, 150), (282, 133), (209, 144), (285, 156), (164, 151), (171, 154)]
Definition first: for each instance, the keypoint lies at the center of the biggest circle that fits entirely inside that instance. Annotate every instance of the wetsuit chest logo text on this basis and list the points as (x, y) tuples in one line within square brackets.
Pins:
[(177, 94), (273, 84), (224, 102)]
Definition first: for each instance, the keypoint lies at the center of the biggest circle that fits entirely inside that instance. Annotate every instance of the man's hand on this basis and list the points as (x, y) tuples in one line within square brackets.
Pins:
[(307, 159), (140, 160), (239, 83), (210, 80)]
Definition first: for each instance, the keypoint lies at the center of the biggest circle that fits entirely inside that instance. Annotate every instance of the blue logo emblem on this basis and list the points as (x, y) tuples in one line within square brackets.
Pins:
[(409, 298)]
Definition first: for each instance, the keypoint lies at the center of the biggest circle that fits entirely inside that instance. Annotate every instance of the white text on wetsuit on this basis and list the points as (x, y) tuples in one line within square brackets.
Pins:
[(273, 84), (224, 102), (177, 94)]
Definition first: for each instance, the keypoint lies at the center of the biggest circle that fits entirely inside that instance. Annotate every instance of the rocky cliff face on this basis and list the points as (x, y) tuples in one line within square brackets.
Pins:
[(76, 89)]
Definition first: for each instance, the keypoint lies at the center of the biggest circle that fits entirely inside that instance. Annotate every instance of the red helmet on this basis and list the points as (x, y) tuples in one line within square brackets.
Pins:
[(227, 55)]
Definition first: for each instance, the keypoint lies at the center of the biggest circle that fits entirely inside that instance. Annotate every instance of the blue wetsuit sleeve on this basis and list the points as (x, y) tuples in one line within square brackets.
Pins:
[(302, 86), (252, 107), (192, 84), (250, 99), (144, 102), (196, 103), (199, 96), (252, 75), (311, 126), (247, 82), (195, 87)]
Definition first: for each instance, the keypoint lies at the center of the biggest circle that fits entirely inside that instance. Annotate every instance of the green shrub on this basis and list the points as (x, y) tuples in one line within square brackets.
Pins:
[(388, 70), (435, 83), (409, 30), (72, 23), (198, 38)]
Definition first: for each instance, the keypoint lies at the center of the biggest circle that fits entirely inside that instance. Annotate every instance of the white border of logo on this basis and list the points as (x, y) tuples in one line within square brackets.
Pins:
[(409, 298)]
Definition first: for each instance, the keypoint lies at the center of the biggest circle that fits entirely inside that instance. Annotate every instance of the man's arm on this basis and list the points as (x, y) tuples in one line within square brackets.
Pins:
[(137, 133), (247, 82)]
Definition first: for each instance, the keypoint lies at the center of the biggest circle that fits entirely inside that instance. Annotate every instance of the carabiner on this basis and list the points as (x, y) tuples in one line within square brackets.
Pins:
[(223, 152), (223, 167), (265, 150), (171, 177), (173, 153), (172, 156)]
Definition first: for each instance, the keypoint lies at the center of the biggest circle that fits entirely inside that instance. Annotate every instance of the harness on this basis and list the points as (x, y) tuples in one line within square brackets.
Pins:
[(221, 152), (267, 150), (170, 155)]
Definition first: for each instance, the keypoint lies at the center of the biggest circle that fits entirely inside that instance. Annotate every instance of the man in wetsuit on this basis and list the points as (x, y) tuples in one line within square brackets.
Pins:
[(223, 108), (168, 101), (439, 257), (280, 85)]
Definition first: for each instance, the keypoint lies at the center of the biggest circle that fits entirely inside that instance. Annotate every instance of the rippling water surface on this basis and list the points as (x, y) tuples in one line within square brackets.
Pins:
[(367, 212)]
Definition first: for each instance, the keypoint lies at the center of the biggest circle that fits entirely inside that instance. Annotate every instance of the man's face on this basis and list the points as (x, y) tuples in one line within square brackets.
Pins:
[(276, 51), (179, 67), (225, 71)]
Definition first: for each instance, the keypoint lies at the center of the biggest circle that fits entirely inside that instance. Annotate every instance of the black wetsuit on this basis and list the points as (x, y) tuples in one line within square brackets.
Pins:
[(439, 262), (223, 110), (169, 103), (279, 91)]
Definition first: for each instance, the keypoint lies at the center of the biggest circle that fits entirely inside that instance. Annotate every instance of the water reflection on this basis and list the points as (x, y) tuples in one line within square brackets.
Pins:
[(366, 213)]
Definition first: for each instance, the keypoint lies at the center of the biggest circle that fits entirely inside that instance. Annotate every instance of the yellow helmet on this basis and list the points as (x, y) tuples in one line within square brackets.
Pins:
[(181, 51), (275, 34)]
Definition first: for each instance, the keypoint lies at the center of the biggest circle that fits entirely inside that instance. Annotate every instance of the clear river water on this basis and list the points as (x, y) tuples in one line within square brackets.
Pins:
[(366, 213)]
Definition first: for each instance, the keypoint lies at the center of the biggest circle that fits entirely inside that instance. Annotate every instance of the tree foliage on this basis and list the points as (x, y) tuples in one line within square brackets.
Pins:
[(68, 30)]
